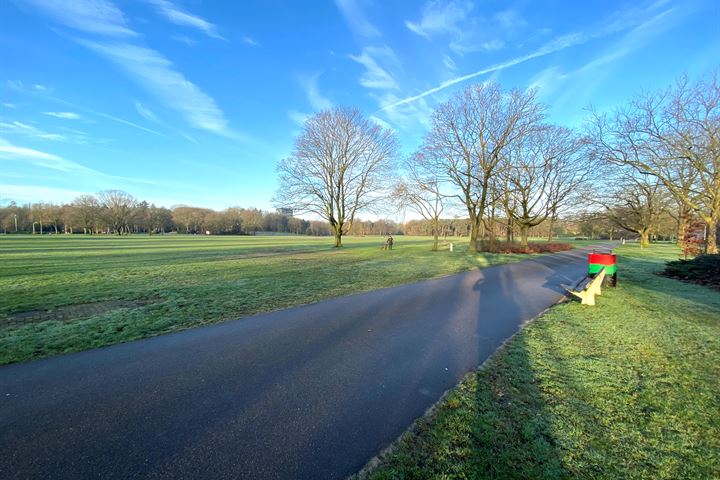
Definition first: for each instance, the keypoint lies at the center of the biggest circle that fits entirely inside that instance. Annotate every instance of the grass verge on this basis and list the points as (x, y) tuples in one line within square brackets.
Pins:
[(626, 389)]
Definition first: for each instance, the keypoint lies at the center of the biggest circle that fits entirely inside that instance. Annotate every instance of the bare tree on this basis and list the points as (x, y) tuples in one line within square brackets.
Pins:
[(191, 218), (160, 219), (420, 192), (470, 134), (252, 220), (673, 135), (541, 171), (85, 212), (40, 215), (340, 165), (636, 203), (118, 209)]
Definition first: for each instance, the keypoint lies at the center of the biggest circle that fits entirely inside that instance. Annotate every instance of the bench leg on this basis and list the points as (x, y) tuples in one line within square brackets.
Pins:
[(588, 298)]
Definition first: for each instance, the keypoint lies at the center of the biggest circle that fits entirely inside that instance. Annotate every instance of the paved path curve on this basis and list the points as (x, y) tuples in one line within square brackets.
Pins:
[(310, 392)]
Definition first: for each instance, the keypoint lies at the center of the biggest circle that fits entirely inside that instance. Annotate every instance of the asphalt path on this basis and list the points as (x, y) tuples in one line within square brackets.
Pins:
[(311, 392)]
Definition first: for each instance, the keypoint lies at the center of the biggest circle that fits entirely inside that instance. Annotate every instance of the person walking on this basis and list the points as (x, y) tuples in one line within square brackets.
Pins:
[(390, 242)]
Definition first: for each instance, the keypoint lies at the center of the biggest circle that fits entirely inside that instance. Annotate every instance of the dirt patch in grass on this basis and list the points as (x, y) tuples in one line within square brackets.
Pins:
[(69, 313)]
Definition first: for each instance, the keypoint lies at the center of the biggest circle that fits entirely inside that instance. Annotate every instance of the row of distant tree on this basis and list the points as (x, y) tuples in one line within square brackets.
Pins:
[(492, 155), (116, 212)]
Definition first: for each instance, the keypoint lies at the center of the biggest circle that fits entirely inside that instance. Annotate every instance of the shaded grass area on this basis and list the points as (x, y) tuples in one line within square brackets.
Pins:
[(627, 389), (179, 282)]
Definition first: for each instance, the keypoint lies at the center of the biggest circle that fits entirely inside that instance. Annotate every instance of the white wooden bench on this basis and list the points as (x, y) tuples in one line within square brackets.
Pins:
[(587, 288)]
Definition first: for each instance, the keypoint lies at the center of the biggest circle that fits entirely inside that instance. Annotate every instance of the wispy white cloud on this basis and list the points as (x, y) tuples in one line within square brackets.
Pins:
[(440, 18), (19, 86), (312, 92), (509, 19), (145, 112), (298, 117), (546, 81), (38, 158), (467, 32), (411, 117), (463, 46), (146, 66), (8, 105), (375, 76), (250, 41), (64, 115), (633, 40), (189, 138), (24, 129), (355, 16), (621, 21), (91, 16), (381, 122), (578, 86), (125, 122), (449, 62), (157, 74), (36, 193), (184, 39), (178, 16)]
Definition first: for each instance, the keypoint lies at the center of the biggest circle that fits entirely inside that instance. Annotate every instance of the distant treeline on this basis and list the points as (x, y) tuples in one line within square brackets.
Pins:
[(116, 212)]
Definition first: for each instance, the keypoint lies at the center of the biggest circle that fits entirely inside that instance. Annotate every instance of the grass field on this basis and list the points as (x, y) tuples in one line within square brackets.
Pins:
[(627, 389), (69, 293)]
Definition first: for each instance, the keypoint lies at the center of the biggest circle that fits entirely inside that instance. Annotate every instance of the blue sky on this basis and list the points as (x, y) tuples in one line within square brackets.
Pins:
[(194, 102)]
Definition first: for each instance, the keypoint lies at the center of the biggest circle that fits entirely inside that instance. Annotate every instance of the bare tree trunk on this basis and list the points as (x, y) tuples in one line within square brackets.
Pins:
[(337, 231), (553, 221), (682, 221), (644, 238), (473, 246), (552, 227), (524, 230), (712, 247), (490, 227)]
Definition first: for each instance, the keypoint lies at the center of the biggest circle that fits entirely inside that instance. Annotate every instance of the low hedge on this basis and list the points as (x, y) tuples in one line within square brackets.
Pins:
[(513, 247)]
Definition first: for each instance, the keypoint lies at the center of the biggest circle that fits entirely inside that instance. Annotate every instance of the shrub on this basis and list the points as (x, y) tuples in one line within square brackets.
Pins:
[(703, 269), (513, 247)]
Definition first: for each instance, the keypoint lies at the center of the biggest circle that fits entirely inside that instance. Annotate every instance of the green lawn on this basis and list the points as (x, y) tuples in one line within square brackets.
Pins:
[(139, 286), (627, 389)]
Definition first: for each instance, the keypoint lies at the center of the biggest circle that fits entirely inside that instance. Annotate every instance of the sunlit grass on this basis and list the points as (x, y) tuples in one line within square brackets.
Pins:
[(184, 281)]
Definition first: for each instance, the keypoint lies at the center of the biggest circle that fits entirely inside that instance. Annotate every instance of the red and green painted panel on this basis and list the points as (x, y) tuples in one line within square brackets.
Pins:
[(596, 261)]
